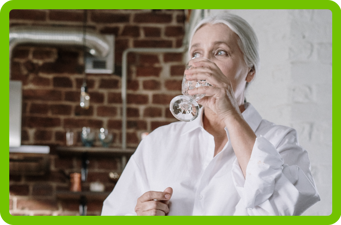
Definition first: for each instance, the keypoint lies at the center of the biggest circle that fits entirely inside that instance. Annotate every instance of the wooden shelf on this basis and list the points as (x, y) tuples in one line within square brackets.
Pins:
[(90, 195), (91, 152), (94, 151)]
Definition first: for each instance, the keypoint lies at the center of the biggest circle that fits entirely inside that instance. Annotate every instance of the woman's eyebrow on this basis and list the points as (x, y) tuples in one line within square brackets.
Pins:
[(214, 44), (220, 43), (195, 45)]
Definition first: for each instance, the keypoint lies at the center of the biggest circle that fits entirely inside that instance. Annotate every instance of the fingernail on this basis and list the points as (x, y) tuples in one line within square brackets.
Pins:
[(167, 196)]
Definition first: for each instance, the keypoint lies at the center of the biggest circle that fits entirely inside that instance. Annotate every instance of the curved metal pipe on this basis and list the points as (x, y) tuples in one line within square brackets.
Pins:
[(124, 86), (193, 20), (97, 43), (124, 81)]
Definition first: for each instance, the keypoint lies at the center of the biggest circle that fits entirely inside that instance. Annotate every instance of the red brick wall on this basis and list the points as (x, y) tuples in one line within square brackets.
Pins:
[(52, 79)]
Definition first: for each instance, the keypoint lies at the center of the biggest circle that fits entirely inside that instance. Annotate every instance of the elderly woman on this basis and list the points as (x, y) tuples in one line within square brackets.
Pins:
[(229, 161)]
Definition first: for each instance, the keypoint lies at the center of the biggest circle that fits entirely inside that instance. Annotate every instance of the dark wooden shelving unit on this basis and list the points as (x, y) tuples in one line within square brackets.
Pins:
[(94, 151), (90, 195), (83, 197), (87, 152)]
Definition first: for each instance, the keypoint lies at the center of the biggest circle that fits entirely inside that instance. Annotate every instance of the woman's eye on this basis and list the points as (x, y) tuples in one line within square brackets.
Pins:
[(195, 55), (221, 52)]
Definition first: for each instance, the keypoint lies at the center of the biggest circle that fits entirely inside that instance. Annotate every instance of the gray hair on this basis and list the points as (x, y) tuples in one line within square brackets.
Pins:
[(248, 42)]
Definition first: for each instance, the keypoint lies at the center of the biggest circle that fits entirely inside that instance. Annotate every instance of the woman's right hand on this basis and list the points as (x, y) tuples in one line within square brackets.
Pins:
[(154, 203)]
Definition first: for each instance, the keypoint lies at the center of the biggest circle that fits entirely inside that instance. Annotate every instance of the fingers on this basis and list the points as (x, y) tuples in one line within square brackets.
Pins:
[(168, 190), (147, 206), (208, 91), (203, 63), (154, 203), (151, 195), (211, 74), (204, 75), (153, 212), (150, 212)]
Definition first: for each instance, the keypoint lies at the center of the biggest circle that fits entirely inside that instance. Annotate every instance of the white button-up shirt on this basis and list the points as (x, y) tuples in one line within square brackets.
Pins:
[(180, 155)]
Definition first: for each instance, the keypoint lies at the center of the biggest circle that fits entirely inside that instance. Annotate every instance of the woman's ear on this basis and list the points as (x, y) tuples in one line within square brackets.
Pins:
[(250, 75)]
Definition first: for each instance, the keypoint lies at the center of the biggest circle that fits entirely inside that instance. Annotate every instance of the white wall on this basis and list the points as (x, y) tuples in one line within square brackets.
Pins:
[(294, 83)]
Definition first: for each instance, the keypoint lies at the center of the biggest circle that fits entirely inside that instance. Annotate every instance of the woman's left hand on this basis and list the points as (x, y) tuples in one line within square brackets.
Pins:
[(220, 96)]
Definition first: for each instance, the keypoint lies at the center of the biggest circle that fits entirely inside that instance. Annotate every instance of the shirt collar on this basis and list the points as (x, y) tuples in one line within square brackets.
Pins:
[(250, 115)]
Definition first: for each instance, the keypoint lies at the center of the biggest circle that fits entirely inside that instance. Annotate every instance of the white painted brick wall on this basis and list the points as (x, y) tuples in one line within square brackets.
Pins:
[(315, 72), (294, 84)]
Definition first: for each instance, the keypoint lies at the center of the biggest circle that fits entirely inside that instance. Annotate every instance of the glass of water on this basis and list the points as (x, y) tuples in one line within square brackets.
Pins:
[(185, 107)]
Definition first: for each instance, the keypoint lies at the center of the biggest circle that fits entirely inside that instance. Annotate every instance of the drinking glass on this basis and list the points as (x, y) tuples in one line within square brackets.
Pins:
[(87, 136), (70, 138), (105, 137), (185, 107)]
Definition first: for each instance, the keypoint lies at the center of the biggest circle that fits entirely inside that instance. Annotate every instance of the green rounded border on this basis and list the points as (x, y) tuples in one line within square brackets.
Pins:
[(175, 4)]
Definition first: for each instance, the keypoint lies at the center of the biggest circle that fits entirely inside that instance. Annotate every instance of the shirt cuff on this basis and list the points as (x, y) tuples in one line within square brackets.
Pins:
[(264, 167)]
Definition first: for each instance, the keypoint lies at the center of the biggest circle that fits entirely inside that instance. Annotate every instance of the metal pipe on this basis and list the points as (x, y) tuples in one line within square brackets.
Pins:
[(97, 43), (195, 16)]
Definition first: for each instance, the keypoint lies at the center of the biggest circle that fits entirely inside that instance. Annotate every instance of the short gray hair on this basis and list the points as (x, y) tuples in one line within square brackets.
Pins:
[(248, 42)]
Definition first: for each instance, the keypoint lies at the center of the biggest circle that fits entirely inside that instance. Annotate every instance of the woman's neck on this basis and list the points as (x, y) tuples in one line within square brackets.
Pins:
[(216, 127), (213, 125)]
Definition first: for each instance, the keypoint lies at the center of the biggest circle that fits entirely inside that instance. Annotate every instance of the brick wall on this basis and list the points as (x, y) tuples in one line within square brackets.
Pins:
[(311, 95), (52, 79)]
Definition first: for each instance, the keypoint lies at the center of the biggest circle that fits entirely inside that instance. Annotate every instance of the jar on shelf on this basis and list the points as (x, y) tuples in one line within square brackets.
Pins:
[(75, 182)]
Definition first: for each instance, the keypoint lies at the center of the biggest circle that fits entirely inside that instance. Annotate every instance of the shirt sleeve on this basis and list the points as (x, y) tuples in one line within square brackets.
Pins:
[(131, 185), (278, 179)]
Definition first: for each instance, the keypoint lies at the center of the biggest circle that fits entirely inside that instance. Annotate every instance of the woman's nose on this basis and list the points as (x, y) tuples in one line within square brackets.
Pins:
[(206, 55)]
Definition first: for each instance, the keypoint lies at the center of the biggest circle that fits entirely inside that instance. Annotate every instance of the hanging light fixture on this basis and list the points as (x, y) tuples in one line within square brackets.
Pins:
[(85, 97)]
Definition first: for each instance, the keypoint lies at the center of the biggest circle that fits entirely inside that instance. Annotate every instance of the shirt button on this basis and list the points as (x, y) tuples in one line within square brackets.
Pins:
[(201, 196)]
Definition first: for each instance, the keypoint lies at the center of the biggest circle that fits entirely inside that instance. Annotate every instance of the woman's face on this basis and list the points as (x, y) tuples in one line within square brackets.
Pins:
[(218, 43)]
